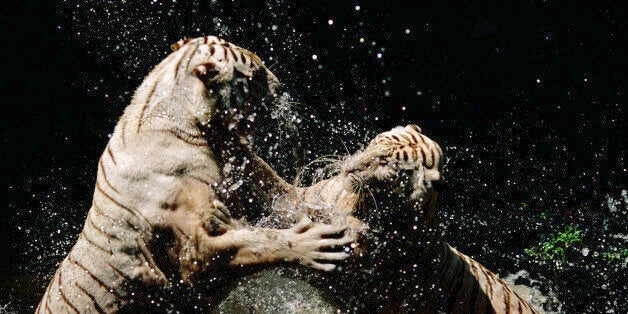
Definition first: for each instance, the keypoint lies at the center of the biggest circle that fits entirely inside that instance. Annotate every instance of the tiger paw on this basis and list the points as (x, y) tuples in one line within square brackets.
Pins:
[(317, 245), (217, 219)]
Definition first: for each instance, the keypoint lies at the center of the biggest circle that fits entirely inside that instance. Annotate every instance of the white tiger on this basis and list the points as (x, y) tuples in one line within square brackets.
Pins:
[(409, 267), (157, 218)]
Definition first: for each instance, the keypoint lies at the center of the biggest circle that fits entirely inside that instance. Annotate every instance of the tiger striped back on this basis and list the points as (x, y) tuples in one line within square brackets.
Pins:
[(466, 286)]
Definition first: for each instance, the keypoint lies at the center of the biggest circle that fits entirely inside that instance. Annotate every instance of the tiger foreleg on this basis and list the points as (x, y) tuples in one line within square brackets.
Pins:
[(219, 237), (305, 243)]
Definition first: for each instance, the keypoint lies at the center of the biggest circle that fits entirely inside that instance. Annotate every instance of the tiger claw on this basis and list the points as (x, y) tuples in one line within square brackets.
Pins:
[(217, 219)]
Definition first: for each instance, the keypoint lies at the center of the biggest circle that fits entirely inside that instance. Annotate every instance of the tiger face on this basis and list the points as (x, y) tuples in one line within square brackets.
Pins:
[(236, 81), (403, 158)]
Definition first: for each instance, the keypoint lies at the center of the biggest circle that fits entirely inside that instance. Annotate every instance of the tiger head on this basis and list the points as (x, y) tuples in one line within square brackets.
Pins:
[(402, 160), (236, 84)]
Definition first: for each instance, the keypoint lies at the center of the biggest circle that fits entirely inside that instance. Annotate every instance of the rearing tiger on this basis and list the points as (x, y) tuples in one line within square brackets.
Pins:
[(157, 218)]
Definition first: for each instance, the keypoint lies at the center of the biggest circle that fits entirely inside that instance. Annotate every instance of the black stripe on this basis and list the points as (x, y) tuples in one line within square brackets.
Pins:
[(519, 306), (196, 246), (100, 212), (235, 56), (108, 149), (176, 66), (422, 154), (191, 56), (104, 175), (243, 56), (489, 283), (183, 232), (200, 179), (100, 282), (137, 215), (200, 142), (121, 273), (122, 137), (48, 299), (122, 134), (104, 250), (506, 293), (108, 235), (146, 101), (414, 140), (65, 299), (89, 295)]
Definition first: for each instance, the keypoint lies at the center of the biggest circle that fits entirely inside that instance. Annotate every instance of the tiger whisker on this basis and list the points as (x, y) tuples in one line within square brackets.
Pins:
[(322, 159), (372, 197), (345, 146)]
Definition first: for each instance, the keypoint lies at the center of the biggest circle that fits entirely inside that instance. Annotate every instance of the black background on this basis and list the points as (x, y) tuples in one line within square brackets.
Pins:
[(466, 72)]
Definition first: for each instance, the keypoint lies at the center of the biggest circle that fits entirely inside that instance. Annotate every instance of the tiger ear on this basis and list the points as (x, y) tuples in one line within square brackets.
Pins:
[(206, 71), (176, 46), (414, 127)]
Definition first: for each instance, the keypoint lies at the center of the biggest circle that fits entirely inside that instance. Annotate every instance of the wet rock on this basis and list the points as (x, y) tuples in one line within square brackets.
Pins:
[(536, 292), (270, 292)]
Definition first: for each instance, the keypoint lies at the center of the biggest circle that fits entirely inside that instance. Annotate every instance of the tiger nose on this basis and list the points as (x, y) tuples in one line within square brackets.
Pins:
[(350, 168)]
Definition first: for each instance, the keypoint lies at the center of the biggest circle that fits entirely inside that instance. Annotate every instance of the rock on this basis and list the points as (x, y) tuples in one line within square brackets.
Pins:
[(270, 292), (531, 290)]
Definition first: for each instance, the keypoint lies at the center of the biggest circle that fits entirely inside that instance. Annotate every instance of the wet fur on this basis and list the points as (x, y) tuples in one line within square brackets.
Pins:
[(402, 167), (158, 220)]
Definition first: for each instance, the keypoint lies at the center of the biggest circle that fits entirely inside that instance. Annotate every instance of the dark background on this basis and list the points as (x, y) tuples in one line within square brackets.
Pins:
[(527, 98)]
